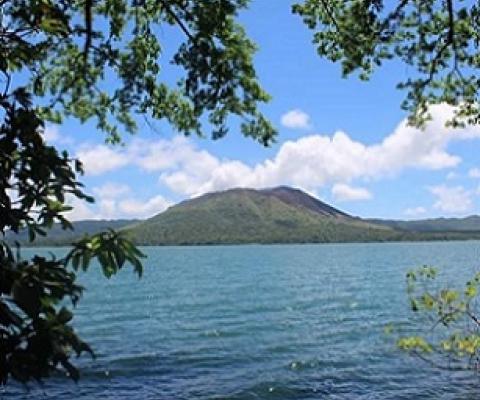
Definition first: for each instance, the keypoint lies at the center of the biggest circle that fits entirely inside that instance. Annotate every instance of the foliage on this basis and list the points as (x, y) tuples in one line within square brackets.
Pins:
[(96, 60), (436, 39), (454, 338), (36, 337), (101, 60), (35, 334), (78, 45)]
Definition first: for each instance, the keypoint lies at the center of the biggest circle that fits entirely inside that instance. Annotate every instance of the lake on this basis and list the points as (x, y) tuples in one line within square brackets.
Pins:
[(260, 322)]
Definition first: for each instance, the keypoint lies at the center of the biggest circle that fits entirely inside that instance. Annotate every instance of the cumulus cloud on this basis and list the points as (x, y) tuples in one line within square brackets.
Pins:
[(314, 161), (296, 119), (143, 209), (310, 162), (343, 192), (452, 199), (111, 190), (415, 211), (51, 134), (101, 158), (474, 173), (114, 201), (81, 210)]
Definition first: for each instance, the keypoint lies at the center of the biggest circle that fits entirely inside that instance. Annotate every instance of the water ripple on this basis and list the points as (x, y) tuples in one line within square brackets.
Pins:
[(259, 322)]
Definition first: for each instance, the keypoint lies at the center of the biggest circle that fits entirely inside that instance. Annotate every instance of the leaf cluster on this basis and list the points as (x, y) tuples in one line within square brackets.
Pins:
[(103, 60), (36, 336), (438, 41), (454, 339), (99, 60)]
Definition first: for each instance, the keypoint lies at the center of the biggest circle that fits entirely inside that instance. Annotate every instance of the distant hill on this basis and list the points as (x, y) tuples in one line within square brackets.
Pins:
[(467, 224), (58, 236), (277, 215)]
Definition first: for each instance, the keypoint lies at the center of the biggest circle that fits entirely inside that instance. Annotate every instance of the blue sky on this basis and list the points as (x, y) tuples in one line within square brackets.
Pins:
[(342, 140)]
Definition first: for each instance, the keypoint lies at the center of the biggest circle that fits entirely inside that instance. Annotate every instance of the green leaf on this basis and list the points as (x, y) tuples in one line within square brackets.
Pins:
[(64, 316), (27, 298)]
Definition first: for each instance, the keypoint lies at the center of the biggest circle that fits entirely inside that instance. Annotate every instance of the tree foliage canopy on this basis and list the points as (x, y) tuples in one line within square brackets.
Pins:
[(437, 40), (102, 60), (453, 339), (70, 49), (96, 60)]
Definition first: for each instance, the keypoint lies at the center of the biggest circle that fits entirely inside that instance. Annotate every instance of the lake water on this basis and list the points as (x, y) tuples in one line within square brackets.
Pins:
[(260, 322)]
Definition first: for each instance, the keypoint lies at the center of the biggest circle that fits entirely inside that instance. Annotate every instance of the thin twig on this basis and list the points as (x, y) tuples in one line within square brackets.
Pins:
[(177, 19)]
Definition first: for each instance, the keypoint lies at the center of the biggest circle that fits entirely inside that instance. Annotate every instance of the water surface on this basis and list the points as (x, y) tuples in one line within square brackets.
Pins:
[(260, 322)]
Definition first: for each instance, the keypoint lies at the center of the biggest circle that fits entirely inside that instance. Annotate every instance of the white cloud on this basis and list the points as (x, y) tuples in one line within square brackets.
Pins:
[(452, 199), (343, 192), (111, 190), (114, 201), (144, 209), (165, 154), (51, 133), (106, 197), (130, 208), (474, 173), (81, 210), (101, 158), (296, 119), (314, 161), (415, 211), (310, 162), (107, 209)]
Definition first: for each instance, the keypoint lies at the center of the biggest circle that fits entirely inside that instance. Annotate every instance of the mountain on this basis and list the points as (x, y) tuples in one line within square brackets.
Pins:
[(278, 215), (296, 197)]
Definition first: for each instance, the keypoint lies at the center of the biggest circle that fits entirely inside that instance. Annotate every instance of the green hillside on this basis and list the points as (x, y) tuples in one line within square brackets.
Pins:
[(57, 236), (280, 215), (467, 224)]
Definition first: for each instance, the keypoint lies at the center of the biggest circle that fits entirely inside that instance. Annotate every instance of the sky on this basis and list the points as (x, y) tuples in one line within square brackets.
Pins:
[(342, 140)]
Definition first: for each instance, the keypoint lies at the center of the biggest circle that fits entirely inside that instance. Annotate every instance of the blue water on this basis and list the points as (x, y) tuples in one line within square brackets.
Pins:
[(260, 322)]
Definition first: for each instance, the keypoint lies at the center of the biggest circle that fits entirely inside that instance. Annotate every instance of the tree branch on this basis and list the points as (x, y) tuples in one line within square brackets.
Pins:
[(88, 30), (177, 19), (472, 316), (436, 365), (393, 15)]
